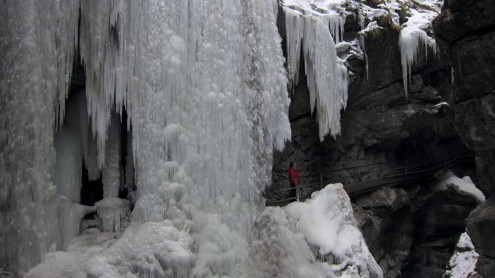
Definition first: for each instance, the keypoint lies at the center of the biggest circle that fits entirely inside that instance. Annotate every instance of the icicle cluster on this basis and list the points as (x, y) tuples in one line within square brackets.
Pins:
[(327, 75), (411, 37)]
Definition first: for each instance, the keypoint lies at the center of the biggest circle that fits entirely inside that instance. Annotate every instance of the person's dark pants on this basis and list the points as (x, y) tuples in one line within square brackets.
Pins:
[(293, 193)]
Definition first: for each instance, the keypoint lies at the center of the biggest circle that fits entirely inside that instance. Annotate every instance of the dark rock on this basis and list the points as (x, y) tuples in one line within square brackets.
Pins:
[(475, 119), (481, 225), (459, 18), (474, 63), (412, 232), (466, 30), (427, 95), (382, 50), (417, 84)]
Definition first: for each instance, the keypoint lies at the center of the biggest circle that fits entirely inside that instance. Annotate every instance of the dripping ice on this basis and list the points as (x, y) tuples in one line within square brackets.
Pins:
[(207, 103), (327, 75), (412, 36)]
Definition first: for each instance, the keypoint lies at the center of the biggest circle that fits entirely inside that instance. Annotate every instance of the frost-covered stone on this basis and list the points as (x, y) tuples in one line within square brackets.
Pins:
[(315, 238), (463, 262)]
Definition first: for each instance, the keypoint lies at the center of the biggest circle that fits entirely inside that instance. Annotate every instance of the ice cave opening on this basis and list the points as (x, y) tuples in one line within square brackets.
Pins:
[(92, 196)]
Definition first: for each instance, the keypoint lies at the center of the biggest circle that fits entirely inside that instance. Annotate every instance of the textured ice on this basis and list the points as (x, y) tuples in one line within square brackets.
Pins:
[(412, 36), (308, 30), (317, 238), (464, 184), (204, 87), (113, 213)]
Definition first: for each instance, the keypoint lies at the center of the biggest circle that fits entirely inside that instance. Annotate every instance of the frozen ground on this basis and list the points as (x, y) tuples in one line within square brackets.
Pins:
[(316, 238)]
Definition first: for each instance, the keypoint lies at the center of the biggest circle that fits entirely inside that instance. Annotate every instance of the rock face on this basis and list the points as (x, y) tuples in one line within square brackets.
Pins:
[(413, 231), (381, 129), (466, 30)]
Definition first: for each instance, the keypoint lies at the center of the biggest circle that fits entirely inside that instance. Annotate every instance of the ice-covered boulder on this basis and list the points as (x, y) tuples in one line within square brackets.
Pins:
[(315, 238)]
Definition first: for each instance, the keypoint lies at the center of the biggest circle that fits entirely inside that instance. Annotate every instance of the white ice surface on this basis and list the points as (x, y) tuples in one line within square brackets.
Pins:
[(314, 33), (205, 89), (317, 238), (464, 184), (412, 36)]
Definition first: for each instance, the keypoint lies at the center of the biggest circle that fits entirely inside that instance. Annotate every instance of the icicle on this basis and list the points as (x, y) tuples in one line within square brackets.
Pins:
[(336, 24), (206, 95), (294, 26), (411, 36), (327, 76)]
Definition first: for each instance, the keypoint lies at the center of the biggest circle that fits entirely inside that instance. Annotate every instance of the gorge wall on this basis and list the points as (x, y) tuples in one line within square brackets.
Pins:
[(411, 230), (465, 31)]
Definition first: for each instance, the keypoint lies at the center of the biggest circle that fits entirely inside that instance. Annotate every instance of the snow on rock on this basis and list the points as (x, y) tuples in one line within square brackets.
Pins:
[(313, 28), (463, 262), (316, 238), (464, 184)]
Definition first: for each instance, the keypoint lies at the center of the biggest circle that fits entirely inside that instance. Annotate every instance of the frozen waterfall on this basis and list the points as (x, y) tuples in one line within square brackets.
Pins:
[(205, 90), (181, 106)]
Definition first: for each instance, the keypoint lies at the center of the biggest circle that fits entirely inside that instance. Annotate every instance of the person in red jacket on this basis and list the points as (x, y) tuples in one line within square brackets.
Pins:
[(293, 180)]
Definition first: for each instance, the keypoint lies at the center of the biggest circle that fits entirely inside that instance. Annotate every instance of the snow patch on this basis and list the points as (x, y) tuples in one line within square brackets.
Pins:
[(316, 238), (463, 262), (465, 185)]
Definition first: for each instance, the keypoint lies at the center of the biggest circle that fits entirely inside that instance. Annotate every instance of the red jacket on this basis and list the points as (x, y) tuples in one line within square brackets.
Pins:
[(293, 176)]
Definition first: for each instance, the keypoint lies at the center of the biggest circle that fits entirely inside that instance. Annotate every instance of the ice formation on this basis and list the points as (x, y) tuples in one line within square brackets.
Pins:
[(412, 36), (313, 28), (464, 184), (463, 262), (317, 238), (204, 86)]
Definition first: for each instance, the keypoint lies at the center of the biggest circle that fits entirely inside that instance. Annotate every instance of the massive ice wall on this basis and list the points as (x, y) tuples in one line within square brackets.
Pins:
[(205, 89)]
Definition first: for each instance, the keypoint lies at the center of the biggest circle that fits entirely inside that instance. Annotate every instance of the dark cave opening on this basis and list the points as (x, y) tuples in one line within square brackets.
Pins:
[(76, 150), (91, 190)]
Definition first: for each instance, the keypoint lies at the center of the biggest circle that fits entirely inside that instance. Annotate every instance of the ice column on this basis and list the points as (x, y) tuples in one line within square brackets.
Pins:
[(327, 75), (69, 143), (111, 168), (112, 210)]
